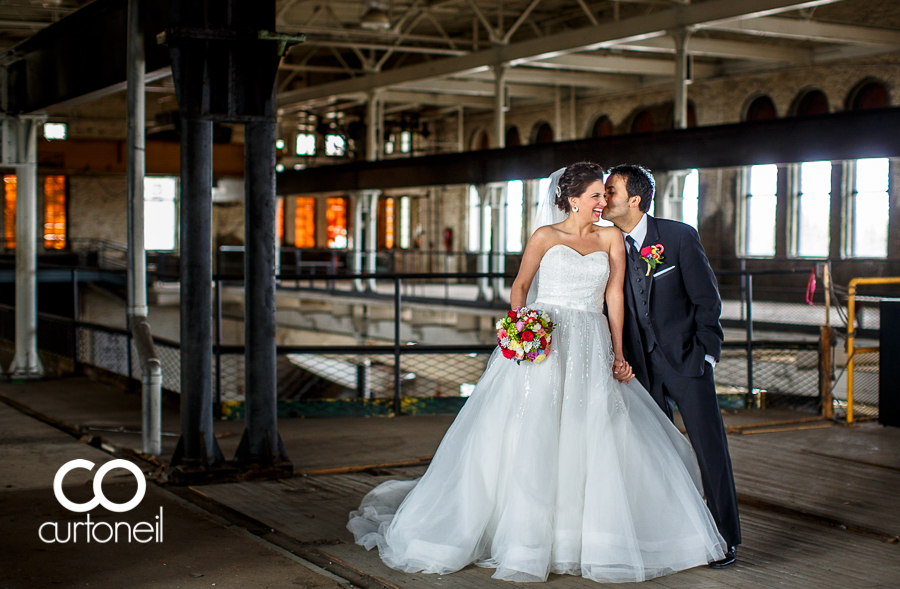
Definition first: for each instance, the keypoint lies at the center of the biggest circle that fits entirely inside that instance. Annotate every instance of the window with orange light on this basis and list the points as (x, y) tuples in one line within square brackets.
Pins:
[(336, 216), (55, 212), (279, 222), (386, 218), (305, 222), (9, 211)]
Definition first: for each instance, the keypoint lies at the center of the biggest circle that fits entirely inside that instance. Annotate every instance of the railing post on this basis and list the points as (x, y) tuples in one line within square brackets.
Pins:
[(218, 344), (397, 371), (750, 387), (851, 336)]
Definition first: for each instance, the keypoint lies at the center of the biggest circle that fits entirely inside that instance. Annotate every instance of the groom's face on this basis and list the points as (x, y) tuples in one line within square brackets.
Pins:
[(618, 203)]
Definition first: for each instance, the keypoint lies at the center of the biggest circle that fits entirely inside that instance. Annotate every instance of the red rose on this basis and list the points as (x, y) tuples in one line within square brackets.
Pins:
[(646, 251), (543, 343), (528, 335), (511, 315), (508, 354)]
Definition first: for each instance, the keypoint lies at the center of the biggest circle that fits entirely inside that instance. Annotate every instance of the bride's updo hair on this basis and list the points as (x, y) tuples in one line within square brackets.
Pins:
[(574, 181)]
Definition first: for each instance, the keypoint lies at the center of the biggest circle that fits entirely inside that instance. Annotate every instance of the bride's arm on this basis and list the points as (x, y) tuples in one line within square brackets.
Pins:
[(615, 303), (531, 261)]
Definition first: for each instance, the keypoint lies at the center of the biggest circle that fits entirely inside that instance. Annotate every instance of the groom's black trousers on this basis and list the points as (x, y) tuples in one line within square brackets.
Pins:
[(696, 400)]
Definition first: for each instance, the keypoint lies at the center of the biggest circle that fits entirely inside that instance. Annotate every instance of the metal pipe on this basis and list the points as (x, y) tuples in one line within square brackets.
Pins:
[(851, 337), (750, 333), (26, 362), (373, 127), (261, 377), (397, 371), (151, 396), (359, 204), (198, 445), (136, 162)]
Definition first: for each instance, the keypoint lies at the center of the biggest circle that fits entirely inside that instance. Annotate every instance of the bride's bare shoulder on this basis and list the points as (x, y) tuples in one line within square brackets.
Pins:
[(610, 237)]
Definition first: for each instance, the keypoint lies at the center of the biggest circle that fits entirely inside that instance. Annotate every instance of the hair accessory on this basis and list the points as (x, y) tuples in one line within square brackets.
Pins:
[(558, 190)]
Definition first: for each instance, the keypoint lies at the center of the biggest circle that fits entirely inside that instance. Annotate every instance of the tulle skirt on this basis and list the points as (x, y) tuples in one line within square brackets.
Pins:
[(551, 467)]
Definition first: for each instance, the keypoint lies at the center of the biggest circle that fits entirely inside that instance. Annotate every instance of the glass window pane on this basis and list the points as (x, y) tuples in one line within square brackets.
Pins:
[(55, 212), (305, 222), (761, 205), (306, 144), (9, 211), (814, 210), (335, 145), (515, 191), (761, 225), (336, 217), (690, 199), (404, 222), (872, 175), (870, 227), (160, 213), (763, 179)]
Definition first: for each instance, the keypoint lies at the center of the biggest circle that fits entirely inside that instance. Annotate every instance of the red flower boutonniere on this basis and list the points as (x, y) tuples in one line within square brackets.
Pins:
[(652, 254)]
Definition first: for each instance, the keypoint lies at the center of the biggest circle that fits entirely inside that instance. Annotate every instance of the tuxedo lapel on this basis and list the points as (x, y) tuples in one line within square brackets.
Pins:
[(652, 238)]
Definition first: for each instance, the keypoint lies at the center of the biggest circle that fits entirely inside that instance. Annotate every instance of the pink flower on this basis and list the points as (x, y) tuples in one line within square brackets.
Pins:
[(502, 334), (520, 325)]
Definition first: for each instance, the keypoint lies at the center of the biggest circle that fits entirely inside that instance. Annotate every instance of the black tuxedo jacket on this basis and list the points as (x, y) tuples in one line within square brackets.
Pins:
[(684, 304)]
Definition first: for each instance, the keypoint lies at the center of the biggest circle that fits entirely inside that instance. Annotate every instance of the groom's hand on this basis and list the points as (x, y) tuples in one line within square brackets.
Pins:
[(622, 371)]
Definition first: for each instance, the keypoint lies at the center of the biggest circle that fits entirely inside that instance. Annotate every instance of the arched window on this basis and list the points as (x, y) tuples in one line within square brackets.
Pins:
[(868, 94), (760, 108), (603, 127), (809, 103), (512, 137), (543, 133), (642, 122), (480, 140)]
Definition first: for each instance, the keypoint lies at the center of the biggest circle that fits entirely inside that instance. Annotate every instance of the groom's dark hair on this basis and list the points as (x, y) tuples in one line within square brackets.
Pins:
[(638, 182)]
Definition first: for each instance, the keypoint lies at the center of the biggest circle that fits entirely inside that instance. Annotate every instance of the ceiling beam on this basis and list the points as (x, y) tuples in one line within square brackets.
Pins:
[(552, 77), (583, 39), (808, 30), (475, 88), (723, 48), (840, 136), (620, 64), (435, 99)]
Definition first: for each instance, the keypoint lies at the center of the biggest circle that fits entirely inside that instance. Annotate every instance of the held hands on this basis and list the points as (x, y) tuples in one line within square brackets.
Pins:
[(622, 370)]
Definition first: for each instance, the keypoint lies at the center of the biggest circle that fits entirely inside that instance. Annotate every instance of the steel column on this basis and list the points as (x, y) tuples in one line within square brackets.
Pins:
[(372, 238), (26, 362), (484, 245), (198, 445), (261, 442), (136, 163), (357, 246), (680, 37), (500, 72)]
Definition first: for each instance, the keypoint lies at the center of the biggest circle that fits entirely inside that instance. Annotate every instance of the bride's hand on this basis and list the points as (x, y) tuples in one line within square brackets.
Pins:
[(622, 370)]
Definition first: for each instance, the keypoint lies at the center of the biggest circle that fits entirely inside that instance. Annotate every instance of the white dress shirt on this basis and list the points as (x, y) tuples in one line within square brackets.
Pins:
[(639, 234)]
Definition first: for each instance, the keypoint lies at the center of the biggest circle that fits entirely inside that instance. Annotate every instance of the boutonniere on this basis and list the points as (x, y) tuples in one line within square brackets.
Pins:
[(652, 254)]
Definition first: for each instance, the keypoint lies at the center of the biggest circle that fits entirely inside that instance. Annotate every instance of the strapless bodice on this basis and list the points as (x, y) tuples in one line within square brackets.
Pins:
[(569, 279)]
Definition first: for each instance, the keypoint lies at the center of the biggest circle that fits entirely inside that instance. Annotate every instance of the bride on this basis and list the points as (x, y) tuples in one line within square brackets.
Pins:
[(567, 466)]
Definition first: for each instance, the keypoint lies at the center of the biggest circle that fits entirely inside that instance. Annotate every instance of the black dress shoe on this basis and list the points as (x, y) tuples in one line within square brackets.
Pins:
[(727, 561)]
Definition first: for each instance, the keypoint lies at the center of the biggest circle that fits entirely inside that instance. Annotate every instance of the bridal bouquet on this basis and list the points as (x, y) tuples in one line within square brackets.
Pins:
[(524, 334)]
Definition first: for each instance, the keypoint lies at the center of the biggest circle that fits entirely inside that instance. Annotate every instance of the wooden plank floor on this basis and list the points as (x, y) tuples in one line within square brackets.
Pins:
[(848, 475)]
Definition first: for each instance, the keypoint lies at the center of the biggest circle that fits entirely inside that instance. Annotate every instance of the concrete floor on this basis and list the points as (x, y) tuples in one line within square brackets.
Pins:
[(819, 502)]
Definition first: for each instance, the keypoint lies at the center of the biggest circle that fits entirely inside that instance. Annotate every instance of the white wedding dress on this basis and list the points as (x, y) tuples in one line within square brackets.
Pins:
[(552, 467)]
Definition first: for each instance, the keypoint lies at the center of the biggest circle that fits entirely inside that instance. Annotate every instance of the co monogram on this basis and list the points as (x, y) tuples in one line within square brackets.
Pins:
[(99, 497)]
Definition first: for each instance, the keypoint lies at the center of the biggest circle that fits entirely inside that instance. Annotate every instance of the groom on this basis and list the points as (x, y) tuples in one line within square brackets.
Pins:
[(672, 336)]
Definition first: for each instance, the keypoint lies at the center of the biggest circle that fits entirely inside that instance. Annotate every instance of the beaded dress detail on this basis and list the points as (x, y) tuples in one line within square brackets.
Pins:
[(552, 467)]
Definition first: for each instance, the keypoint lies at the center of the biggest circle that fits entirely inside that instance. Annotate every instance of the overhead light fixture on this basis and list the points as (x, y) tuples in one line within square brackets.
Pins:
[(375, 18)]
